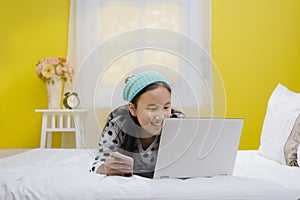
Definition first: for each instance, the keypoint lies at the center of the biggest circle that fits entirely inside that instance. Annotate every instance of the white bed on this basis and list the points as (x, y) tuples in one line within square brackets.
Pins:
[(63, 174)]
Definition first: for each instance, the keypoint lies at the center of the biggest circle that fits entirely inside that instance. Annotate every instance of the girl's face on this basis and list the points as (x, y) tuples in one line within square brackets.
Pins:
[(152, 107)]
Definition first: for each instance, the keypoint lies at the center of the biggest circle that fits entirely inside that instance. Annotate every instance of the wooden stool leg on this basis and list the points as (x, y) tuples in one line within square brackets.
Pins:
[(77, 131), (44, 131), (49, 140)]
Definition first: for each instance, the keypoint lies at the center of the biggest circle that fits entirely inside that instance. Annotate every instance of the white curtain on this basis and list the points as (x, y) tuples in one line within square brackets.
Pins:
[(112, 39)]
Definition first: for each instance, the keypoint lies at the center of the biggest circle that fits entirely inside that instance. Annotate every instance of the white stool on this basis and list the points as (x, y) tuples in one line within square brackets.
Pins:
[(61, 120)]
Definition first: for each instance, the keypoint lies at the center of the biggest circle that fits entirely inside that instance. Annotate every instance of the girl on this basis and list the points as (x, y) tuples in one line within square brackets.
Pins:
[(134, 129)]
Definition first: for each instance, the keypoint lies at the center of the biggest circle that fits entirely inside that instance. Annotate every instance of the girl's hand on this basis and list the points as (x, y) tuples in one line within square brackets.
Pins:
[(118, 164)]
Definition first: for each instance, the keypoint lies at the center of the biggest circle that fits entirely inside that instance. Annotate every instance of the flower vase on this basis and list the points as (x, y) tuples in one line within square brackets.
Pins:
[(55, 91)]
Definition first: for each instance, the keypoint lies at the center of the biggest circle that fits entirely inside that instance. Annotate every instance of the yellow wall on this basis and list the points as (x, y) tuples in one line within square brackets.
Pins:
[(30, 30), (256, 44)]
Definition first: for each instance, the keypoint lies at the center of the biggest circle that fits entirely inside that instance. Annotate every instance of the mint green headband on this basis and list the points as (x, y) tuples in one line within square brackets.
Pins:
[(138, 82)]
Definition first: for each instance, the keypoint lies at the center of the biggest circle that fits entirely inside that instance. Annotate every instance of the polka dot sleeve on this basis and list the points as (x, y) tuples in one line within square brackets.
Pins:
[(109, 142)]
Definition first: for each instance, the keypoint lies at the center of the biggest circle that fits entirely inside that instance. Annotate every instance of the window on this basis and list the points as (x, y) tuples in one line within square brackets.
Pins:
[(110, 39)]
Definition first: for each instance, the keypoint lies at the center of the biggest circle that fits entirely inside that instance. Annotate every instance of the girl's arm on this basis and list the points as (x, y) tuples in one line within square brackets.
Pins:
[(108, 143), (116, 164)]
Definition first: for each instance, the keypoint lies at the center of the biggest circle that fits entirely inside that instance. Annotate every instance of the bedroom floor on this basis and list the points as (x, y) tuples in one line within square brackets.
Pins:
[(10, 152)]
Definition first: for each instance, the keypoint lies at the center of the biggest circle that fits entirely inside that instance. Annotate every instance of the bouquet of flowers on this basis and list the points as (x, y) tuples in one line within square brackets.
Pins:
[(48, 69)]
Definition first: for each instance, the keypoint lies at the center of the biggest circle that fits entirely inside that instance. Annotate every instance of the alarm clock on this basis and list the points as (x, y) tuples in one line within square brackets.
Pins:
[(71, 100)]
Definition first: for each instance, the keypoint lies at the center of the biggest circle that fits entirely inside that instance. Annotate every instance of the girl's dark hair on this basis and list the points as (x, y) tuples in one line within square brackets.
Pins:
[(152, 86)]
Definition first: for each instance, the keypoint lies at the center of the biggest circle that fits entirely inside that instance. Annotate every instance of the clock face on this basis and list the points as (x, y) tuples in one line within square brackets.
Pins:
[(73, 101)]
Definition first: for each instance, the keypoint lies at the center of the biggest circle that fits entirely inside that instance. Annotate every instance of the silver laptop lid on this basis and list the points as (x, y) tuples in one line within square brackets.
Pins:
[(198, 147)]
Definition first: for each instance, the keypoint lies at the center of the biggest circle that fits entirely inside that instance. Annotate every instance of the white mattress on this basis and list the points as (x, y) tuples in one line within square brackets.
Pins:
[(63, 174)]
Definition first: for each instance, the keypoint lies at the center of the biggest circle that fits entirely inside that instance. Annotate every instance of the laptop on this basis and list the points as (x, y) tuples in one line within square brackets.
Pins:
[(198, 147)]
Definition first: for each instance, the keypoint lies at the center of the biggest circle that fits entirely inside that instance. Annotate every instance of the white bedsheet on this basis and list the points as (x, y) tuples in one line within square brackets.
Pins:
[(63, 174)]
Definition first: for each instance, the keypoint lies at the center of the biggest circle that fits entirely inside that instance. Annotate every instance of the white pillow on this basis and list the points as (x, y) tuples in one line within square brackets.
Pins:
[(282, 111), (298, 155)]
